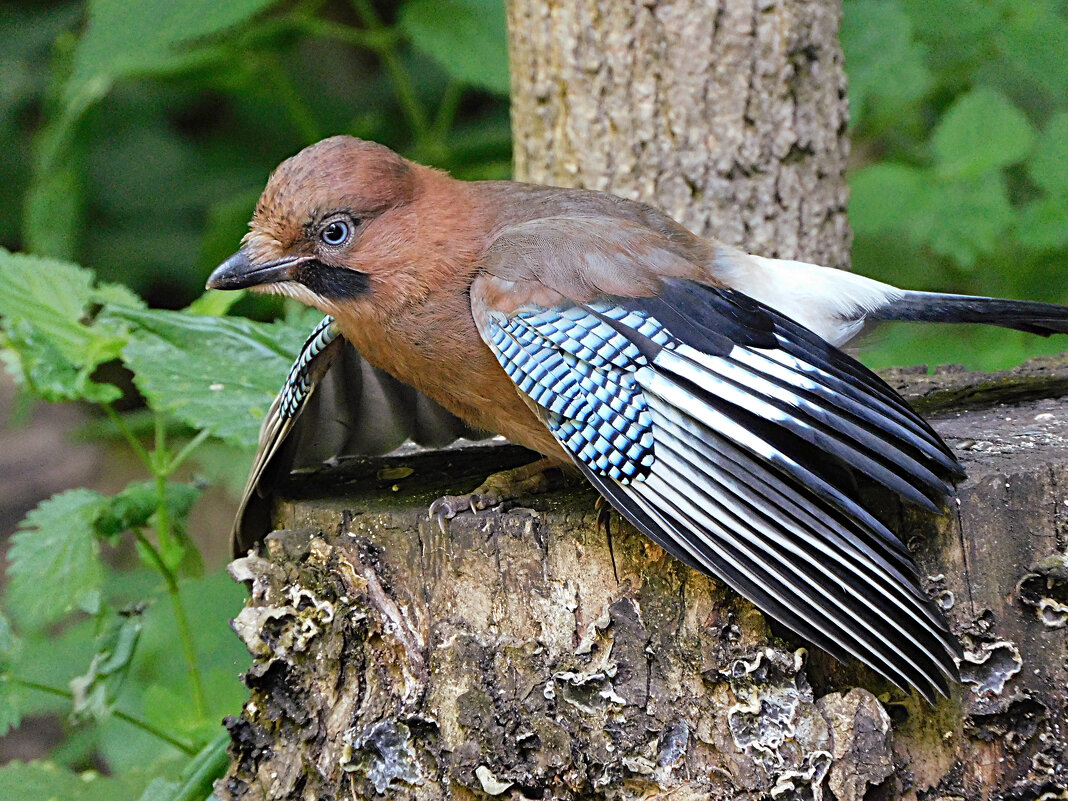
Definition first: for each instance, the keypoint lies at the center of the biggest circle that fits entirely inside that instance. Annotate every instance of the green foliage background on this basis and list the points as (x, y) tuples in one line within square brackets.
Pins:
[(136, 137)]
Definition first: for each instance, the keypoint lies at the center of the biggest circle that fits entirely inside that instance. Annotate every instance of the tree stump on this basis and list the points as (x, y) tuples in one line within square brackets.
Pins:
[(527, 652)]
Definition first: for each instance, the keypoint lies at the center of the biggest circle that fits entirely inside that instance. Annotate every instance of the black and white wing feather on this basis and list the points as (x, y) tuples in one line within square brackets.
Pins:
[(729, 435), (333, 403)]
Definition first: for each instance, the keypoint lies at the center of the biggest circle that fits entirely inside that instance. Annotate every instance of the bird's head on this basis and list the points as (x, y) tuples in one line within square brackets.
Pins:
[(331, 228)]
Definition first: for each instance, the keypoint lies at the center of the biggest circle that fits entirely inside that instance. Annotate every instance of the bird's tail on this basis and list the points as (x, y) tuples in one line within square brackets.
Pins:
[(935, 307)]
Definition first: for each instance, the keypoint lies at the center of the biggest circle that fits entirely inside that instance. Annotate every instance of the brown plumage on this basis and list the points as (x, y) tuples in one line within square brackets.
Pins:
[(697, 387)]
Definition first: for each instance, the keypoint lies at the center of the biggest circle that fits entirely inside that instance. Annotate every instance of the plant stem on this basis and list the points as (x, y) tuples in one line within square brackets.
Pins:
[(209, 764), (189, 447), (185, 634), (377, 40), (450, 103), (299, 114), (398, 75), (124, 429), (141, 724), (160, 470)]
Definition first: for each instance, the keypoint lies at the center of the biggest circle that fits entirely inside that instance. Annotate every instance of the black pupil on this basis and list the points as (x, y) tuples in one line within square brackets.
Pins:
[(335, 233)]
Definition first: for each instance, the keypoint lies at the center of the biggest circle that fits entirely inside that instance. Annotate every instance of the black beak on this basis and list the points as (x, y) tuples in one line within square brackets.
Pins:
[(237, 272)]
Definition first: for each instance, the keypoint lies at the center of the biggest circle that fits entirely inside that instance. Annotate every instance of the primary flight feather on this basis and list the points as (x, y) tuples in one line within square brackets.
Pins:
[(698, 388)]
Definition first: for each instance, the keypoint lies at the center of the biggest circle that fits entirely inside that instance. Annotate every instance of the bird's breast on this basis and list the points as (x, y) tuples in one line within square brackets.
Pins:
[(438, 351)]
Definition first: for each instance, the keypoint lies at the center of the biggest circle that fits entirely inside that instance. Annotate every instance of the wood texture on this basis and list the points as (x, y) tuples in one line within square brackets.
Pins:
[(525, 653), (728, 114)]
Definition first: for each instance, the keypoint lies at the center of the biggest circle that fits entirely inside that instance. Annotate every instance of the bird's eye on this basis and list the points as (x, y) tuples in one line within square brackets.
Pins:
[(335, 233)]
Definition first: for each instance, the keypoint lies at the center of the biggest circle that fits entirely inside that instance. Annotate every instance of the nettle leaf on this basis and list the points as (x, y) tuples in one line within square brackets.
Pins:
[(981, 131), (215, 373), (884, 61), (94, 692), (54, 559), (45, 309), (1049, 163), (469, 38)]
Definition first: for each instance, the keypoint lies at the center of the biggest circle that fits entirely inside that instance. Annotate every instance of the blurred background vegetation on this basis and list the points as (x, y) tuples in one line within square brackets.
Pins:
[(135, 138)]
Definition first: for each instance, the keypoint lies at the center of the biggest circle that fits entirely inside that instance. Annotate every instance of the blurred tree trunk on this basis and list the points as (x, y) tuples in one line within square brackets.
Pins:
[(527, 653), (728, 114)]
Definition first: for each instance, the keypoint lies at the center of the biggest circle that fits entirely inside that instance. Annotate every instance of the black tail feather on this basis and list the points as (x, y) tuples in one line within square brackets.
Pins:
[(933, 307)]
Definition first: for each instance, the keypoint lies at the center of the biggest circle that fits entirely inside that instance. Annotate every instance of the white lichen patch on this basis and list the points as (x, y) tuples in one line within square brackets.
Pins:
[(990, 667)]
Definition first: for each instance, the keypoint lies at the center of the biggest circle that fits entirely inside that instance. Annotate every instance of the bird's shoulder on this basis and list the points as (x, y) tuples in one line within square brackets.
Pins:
[(584, 244)]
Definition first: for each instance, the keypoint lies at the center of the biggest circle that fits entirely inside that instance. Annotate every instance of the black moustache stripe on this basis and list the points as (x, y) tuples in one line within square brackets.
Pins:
[(336, 283)]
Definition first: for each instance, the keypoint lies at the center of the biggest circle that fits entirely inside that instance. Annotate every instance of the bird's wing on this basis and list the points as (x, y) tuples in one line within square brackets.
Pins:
[(726, 432), (333, 403)]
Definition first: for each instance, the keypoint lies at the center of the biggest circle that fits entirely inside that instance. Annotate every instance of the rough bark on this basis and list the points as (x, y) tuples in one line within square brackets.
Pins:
[(526, 653), (728, 114)]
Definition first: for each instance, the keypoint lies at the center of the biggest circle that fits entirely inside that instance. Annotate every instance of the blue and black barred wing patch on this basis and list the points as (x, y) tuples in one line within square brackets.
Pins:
[(727, 434), (580, 370)]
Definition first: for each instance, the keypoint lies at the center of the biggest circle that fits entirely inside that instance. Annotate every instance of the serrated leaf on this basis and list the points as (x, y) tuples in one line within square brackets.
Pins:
[(981, 131), (54, 560), (884, 61), (215, 373), (469, 38), (42, 781), (44, 311), (1048, 166)]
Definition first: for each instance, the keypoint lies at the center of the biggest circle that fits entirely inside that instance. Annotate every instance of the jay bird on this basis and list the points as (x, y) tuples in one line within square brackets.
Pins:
[(699, 389)]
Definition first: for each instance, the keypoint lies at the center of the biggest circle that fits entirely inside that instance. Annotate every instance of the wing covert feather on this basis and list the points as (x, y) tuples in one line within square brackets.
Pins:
[(720, 429)]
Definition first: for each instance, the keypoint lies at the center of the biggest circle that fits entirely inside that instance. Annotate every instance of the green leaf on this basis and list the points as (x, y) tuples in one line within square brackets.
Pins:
[(1048, 166), (981, 131), (884, 61), (884, 198), (964, 219), (95, 691), (160, 790), (137, 504), (11, 704), (215, 373), (148, 37), (215, 302), (54, 560), (10, 692), (469, 38), (1043, 224), (45, 308), (43, 781)]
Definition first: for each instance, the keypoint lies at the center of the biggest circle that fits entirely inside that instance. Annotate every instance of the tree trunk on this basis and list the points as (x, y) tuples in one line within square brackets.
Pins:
[(530, 653), (525, 653), (728, 114)]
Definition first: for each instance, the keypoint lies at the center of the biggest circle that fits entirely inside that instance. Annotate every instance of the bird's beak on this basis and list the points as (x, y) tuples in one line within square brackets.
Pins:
[(237, 272)]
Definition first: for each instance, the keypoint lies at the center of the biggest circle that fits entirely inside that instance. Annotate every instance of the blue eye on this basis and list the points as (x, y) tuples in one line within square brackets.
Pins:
[(336, 233)]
